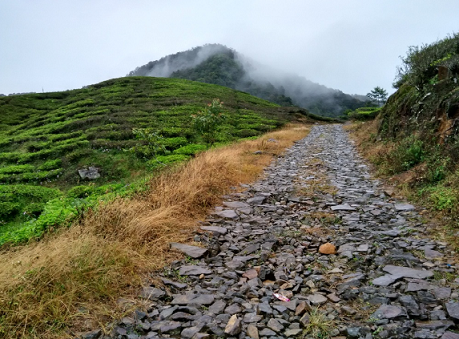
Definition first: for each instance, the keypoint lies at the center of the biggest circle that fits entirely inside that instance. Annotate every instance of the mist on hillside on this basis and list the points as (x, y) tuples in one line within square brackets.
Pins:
[(218, 64)]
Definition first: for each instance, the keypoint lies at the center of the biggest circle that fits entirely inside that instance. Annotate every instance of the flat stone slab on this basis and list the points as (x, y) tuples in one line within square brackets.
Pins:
[(392, 233), (257, 200), (406, 272), (388, 312), (404, 207), (198, 299), (317, 299), (228, 214), (236, 204), (385, 280), (191, 251), (435, 324), (346, 248), (193, 270), (152, 293), (215, 229), (174, 283), (453, 310), (343, 207), (431, 254), (414, 286)]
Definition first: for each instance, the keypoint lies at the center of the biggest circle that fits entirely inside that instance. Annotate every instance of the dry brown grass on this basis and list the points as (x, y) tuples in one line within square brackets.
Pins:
[(71, 281)]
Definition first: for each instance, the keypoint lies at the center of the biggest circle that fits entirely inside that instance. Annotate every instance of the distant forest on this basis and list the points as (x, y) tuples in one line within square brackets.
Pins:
[(220, 65)]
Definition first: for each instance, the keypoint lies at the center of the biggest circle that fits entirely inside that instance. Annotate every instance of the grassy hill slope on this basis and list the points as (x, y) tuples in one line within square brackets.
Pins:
[(46, 138), (415, 138)]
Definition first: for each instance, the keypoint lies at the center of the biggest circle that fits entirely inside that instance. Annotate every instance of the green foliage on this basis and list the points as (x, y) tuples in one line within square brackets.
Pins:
[(421, 62), (378, 94), (17, 198), (16, 169), (50, 165), (190, 149), (207, 122), (363, 113), (164, 160), (411, 152), (440, 197), (153, 143), (80, 191), (46, 137), (174, 143)]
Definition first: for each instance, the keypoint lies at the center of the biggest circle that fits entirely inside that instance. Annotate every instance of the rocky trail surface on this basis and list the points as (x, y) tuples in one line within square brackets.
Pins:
[(315, 249)]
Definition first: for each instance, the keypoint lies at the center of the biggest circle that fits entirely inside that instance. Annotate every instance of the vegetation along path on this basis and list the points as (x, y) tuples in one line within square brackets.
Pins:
[(315, 249)]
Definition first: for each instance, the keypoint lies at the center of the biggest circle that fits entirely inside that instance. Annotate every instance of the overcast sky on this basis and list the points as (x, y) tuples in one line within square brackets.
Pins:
[(351, 45)]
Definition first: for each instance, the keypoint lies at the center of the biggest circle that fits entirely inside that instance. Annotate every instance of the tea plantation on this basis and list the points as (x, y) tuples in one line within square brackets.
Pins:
[(45, 138)]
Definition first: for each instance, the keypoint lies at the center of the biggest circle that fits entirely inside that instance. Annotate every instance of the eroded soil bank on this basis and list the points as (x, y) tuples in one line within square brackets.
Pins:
[(380, 276)]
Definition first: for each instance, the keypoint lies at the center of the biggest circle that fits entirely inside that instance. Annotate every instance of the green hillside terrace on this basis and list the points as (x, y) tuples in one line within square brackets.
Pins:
[(46, 138)]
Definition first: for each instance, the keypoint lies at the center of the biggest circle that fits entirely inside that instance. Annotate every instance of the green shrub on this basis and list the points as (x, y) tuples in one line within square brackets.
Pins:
[(174, 143), (245, 133), (8, 209), (163, 160), (37, 146), (80, 191), (50, 165), (34, 209), (26, 198), (15, 169), (190, 149), (443, 198), (78, 154), (41, 175), (206, 123), (412, 152)]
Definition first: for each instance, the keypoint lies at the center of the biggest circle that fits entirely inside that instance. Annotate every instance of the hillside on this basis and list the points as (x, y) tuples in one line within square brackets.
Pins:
[(49, 140), (218, 64), (415, 137)]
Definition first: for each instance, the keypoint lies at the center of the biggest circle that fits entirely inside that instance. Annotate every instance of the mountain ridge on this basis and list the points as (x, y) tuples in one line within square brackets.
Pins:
[(220, 65)]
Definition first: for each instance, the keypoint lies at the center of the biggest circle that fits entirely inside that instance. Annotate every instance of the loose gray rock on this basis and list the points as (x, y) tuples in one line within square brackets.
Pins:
[(317, 299), (404, 207), (191, 251), (233, 326), (91, 173), (388, 312), (343, 207), (152, 293), (193, 270), (215, 229), (228, 214), (406, 272), (453, 310)]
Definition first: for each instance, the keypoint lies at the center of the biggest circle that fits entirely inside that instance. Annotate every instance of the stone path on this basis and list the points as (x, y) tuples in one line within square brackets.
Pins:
[(262, 273)]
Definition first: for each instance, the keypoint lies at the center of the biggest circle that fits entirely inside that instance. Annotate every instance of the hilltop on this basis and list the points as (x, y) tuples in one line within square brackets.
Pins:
[(49, 142), (414, 140), (218, 64)]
